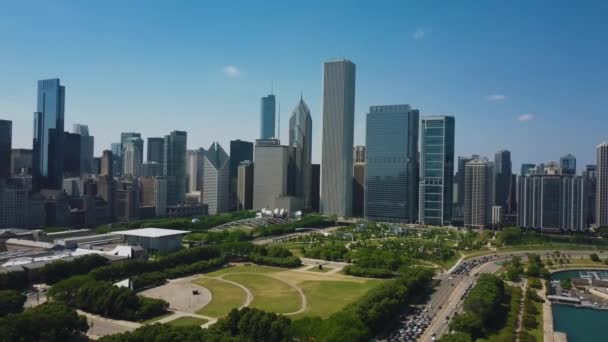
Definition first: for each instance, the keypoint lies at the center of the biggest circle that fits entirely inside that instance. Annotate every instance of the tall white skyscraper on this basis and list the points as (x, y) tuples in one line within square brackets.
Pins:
[(601, 191), (338, 130), (216, 177), (132, 157), (194, 169), (300, 149)]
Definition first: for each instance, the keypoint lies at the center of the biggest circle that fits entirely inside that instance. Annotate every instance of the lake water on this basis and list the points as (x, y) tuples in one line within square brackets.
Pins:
[(580, 324)]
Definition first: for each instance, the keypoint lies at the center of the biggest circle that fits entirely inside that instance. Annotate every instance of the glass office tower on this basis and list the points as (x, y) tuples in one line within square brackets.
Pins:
[(267, 117), (391, 181), (436, 169)]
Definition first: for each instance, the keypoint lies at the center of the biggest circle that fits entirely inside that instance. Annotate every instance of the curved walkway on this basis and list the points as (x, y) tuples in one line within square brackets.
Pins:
[(303, 298), (249, 295)]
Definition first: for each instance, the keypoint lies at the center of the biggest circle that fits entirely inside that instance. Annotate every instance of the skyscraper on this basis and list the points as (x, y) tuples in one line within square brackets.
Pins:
[(239, 152), (300, 150), (126, 136), (358, 181), (48, 144), (458, 190), (21, 161), (117, 158), (71, 155), (526, 169), (156, 150), (359, 154), (174, 166), (270, 173), (567, 164), (436, 170), (87, 147), (6, 137), (391, 170), (106, 164), (337, 144), (590, 174), (267, 117), (502, 177), (245, 186), (478, 193), (194, 169), (315, 187), (132, 154), (216, 178), (601, 189)]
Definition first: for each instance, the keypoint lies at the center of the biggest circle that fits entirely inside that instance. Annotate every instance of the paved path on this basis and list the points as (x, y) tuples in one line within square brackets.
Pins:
[(179, 294), (520, 314), (178, 314), (101, 326)]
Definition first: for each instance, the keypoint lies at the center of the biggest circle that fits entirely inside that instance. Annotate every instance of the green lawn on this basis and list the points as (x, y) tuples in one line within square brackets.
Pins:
[(226, 296), (187, 321), (154, 319), (328, 297), (269, 294), (247, 269)]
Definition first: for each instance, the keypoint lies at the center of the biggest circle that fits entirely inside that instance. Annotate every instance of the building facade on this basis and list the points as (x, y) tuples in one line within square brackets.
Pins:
[(315, 187), (300, 150), (87, 148), (436, 170), (132, 154), (240, 151), (391, 170), (601, 186), (338, 131), (216, 179), (156, 150), (567, 164), (245, 185), (174, 166), (267, 117), (6, 139), (478, 193), (21, 162), (270, 173), (502, 177), (195, 169)]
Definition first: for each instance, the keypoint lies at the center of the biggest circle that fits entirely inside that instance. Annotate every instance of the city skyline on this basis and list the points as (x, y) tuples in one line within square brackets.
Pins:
[(234, 84)]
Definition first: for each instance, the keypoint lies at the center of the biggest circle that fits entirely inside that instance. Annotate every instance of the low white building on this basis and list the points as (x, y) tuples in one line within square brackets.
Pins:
[(154, 240)]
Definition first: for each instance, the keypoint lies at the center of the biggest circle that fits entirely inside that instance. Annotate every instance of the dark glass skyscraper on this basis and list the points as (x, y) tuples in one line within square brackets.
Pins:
[(71, 155), (156, 150), (48, 147), (267, 117), (391, 180), (6, 136), (567, 164), (502, 177), (300, 151), (239, 152), (436, 169), (526, 169), (175, 166)]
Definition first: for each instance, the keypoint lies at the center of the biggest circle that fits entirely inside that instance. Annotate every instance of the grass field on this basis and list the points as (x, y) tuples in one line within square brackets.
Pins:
[(225, 297), (273, 290), (154, 319), (186, 321), (324, 270)]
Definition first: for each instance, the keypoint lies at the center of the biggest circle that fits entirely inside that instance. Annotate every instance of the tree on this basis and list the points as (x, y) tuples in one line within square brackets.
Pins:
[(468, 324), (455, 337), (594, 257), (510, 236), (11, 301)]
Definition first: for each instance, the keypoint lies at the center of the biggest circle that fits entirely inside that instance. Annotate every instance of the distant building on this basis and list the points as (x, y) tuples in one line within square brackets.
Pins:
[(567, 164), (270, 173), (502, 177), (151, 169), (6, 136), (116, 149), (156, 150), (239, 151), (359, 154), (590, 174), (601, 192), (245, 185), (87, 148), (106, 189), (300, 150), (132, 136), (154, 240), (48, 147), (526, 169), (21, 162), (458, 189), (497, 215), (391, 170), (153, 192), (194, 169), (175, 166), (338, 131), (71, 155), (267, 117), (216, 178), (126, 200), (315, 187), (436, 170), (106, 164), (131, 158), (358, 189), (478, 193)]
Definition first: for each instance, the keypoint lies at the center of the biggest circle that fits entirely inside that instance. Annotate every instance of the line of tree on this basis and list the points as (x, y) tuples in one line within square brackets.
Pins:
[(331, 251), (100, 297), (60, 269), (11, 302), (46, 322)]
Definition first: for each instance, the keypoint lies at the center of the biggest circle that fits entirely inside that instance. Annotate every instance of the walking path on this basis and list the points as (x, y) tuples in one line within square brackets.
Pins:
[(178, 314), (520, 314)]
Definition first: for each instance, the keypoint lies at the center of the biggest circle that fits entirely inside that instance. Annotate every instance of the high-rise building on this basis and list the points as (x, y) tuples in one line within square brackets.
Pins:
[(6, 138), (106, 189), (116, 149), (127, 136), (590, 174), (478, 193), (270, 175), (601, 186), (338, 131), (458, 189), (300, 150), (151, 169), (106, 164), (239, 152), (21, 162), (567, 164), (175, 166), (216, 179), (87, 148), (13, 205), (436, 170), (71, 155), (359, 154), (156, 150), (244, 191), (194, 169), (315, 187), (267, 117), (48, 144), (552, 202), (502, 177), (132, 153), (391, 169), (153, 193), (526, 169), (126, 200)]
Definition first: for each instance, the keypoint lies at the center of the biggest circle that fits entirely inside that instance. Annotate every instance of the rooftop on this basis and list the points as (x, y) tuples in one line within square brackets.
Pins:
[(152, 232)]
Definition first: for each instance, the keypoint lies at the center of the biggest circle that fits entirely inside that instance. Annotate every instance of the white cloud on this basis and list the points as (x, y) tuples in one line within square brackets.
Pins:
[(496, 97), (525, 117), (419, 34), (231, 71)]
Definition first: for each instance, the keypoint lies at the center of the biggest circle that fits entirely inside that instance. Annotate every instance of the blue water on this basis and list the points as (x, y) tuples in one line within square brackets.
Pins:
[(580, 324)]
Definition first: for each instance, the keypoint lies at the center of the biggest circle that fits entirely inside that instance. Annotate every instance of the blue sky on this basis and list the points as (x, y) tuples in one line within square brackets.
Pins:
[(528, 76)]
